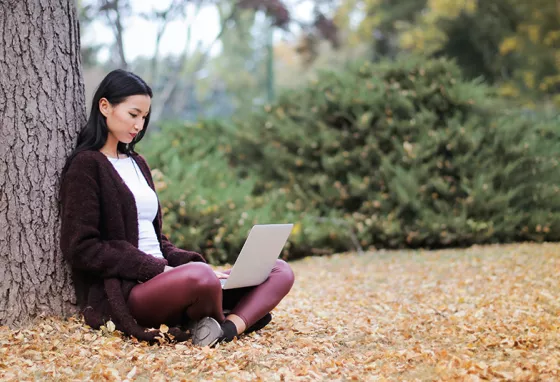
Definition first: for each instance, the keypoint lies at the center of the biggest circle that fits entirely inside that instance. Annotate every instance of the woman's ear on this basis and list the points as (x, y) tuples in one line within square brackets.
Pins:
[(104, 106)]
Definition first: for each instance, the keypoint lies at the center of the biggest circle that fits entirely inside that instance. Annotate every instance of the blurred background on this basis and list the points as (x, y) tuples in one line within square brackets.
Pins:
[(368, 124)]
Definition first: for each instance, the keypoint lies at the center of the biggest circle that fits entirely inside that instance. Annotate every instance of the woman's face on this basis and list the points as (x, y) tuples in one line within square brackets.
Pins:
[(126, 119)]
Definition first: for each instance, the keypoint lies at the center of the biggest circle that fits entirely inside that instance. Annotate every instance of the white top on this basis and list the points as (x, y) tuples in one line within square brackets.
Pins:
[(146, 203)]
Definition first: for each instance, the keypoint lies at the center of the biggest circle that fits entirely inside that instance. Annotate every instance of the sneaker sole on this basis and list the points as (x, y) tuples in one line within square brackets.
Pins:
[(206, 332)]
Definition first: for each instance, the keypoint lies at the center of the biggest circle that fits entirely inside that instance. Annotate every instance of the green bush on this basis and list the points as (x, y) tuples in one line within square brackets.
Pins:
[(387, 155), (208, 208), (409, 153)]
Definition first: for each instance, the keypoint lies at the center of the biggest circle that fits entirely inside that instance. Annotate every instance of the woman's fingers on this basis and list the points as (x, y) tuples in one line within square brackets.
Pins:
[(221, 275)]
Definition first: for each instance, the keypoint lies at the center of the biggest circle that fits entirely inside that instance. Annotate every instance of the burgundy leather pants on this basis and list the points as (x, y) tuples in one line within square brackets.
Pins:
[(195, 291)]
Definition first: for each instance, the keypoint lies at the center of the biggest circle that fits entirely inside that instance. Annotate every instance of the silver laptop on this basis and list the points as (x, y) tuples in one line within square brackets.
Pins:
[(258, 255)]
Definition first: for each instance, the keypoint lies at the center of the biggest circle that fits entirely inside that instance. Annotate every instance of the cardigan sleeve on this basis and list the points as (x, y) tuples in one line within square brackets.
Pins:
[(81, 241), (177, 256)]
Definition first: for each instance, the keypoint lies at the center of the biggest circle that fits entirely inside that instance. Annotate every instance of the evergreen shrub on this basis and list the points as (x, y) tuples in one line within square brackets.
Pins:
[(410, 154), (207, 207)]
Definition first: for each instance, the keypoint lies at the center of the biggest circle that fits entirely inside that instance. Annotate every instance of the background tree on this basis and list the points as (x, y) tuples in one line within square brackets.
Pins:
[(42, 103), (512, 43), (377, 23), (534, 49), (115, 11), (238, 76), (89, 51), (240, 66)]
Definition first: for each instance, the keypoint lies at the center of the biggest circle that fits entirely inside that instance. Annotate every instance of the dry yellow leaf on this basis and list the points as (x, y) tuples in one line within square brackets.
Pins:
[(483, 313), (110, 325)]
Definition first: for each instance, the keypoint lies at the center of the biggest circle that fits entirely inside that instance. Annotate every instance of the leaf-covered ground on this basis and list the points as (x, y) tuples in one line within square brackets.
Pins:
[(484, 313)]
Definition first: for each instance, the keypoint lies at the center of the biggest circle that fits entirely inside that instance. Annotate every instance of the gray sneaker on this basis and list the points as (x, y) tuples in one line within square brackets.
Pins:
[(206, 332)]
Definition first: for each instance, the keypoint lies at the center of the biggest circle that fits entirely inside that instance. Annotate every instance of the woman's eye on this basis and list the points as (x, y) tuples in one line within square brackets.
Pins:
[(132, 115)]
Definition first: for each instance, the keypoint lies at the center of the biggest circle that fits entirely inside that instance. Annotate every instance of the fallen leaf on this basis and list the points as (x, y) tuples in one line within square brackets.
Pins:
[(110, 326)]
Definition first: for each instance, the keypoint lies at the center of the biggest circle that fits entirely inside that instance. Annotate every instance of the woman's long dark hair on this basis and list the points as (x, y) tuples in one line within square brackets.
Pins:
[(115, 87)]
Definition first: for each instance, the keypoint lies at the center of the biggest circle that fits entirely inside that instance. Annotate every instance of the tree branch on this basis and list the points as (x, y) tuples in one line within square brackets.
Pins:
[(171, 84), (117, 27), (166, 16)]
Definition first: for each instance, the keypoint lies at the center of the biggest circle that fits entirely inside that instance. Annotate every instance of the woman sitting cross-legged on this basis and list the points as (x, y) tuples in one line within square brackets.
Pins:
[(124, 268)]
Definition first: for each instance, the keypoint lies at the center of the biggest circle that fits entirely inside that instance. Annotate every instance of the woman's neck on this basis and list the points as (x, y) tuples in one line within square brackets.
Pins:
[(113, 155), (110, 148)]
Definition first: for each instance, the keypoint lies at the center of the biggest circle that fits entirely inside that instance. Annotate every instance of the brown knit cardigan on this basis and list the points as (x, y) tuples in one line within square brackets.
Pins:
[(99, 239)]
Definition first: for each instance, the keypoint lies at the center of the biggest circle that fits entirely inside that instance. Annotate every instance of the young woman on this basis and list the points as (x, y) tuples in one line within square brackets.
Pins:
[(124, 268)]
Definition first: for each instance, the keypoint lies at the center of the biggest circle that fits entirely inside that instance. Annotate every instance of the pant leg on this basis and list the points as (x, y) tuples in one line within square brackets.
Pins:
[(192, 288), (253, 303)]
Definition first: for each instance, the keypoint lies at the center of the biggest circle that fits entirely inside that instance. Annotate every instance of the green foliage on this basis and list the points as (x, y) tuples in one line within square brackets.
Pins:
[(513, 43), (534, 47), (410, 154), (389, 155), (473, 39), (207, 207)]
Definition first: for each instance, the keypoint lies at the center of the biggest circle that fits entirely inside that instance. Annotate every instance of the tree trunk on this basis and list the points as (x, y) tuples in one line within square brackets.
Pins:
[(41, 112)]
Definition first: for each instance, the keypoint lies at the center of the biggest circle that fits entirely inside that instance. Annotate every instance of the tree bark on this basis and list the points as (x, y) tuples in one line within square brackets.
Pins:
[(42, 109)]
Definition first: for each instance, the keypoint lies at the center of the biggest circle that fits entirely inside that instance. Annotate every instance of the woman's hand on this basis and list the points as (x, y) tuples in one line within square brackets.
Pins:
[(221, 275)]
